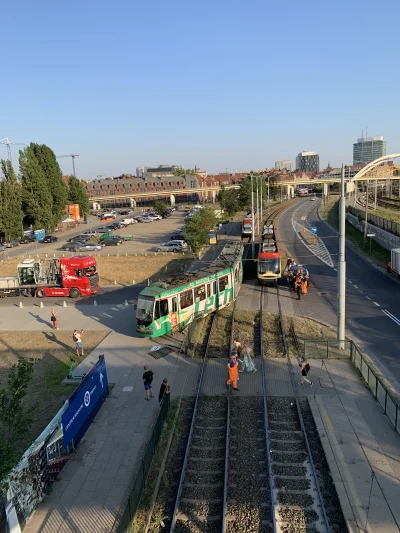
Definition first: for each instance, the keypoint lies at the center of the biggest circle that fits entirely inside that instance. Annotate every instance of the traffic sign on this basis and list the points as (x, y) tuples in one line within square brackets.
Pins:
[(314, 229), (85, 402), (303, 218), (371, 235)]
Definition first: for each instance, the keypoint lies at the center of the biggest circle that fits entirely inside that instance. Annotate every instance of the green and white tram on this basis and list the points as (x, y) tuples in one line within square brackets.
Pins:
[(166, 307)]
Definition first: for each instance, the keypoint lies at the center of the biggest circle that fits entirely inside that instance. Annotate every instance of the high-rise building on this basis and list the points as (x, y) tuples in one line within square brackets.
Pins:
[(284, 164), (368, 149), (307, 162)]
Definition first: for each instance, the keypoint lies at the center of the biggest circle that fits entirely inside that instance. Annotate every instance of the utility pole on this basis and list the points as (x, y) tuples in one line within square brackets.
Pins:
[(376, 193), (366, 214), (268, 190), (252, 217), (261, 203), (341, 315), (258, 211)]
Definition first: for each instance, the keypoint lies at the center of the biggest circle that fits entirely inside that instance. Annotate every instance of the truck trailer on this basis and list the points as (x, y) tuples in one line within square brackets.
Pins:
[(68, 276), (393, 266)]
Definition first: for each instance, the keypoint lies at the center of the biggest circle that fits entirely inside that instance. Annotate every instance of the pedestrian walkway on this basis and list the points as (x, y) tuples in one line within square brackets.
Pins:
[(361, 446)]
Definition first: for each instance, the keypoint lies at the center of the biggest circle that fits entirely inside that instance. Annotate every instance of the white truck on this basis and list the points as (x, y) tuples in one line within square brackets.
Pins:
[(127, 221), (393, 266)]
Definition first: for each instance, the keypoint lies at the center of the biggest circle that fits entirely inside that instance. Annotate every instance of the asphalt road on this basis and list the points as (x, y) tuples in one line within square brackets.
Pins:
[(370, 294)]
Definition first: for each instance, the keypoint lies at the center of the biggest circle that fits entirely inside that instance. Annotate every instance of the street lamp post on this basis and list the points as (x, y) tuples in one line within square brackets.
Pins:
[(341, 315), (257, 209), (252, 216), (261, 203)]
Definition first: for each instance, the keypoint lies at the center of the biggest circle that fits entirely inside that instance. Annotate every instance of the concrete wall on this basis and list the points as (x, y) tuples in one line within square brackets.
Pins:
[(384, 238)]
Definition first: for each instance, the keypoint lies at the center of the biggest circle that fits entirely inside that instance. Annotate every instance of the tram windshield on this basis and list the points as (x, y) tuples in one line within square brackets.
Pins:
[(144, 312), (268, 265)]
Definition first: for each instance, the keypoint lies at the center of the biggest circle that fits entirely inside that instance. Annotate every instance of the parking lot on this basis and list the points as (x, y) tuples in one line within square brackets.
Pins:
[(146, 238)]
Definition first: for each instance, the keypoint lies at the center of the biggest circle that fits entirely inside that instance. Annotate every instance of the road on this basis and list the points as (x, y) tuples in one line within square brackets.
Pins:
[(372, 297)]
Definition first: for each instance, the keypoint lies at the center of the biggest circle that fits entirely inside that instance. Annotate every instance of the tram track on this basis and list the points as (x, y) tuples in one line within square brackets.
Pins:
[(302, 492)]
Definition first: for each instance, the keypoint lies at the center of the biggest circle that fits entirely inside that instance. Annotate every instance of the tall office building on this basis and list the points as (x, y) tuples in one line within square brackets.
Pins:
[(368, 149), (307, 162), (284, 164)]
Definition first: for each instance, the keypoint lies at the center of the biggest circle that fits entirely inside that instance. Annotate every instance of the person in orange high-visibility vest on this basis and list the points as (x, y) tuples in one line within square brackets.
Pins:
[(303, 285), (233, 372)]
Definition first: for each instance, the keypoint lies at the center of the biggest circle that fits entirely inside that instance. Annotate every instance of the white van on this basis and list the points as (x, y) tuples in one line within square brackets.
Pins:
[(127, 221), (108, 215)]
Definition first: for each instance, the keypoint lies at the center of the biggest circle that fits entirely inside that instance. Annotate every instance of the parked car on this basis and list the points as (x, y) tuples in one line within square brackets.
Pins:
[(104, 230), (145, 219), (172, 246), (49, 239), (26, 239), (79, 238), (114, 240), (71, 246), (117, 225), (11, 244), (88, 247), (178, 236)]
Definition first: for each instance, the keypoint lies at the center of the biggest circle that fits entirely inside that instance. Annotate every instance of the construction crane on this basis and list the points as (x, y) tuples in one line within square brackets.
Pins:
[(8, 144), (73, 160)]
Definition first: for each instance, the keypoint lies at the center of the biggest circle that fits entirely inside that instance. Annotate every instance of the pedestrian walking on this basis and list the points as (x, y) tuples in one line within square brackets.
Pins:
[(248, 363), (54, 318), (305, 369), (236, 345), (233, 373), (147, 381), (77, 338), (297, 284), (164, 390)]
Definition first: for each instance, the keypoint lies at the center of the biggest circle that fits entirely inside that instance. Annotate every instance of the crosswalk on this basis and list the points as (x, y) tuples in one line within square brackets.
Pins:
[(318, 249)]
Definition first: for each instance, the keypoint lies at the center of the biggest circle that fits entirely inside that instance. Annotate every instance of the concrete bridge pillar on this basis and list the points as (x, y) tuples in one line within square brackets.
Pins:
[(290, 191), (326, 190), (172, 199), (133, 202), (350, 187), (95, 205)]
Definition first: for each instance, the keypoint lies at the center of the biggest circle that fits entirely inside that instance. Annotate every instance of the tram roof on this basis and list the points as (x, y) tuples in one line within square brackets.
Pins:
[(230, 253)]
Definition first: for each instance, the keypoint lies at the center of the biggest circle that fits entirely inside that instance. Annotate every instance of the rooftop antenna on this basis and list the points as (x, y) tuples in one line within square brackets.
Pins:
[(362, 134)]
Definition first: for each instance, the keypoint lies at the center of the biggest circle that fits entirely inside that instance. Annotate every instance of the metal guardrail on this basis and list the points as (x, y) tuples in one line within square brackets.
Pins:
[(123, 521)]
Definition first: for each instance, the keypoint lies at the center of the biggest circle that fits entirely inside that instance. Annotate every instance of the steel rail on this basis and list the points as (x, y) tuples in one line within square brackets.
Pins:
[(192, 424), (227, 436), (299, 413), (266, 423)]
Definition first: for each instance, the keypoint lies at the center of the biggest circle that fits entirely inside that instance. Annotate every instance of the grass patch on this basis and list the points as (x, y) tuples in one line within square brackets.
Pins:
[(124, 269), (272, 336), (247, 330), (221, 333), (378, 255), (52, 352)]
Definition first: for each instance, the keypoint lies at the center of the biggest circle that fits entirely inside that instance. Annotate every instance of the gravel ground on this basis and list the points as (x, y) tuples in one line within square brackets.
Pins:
[(272, 335), (221, 333), (248, 488), (200, 527), (328, 490), (247, 330), (200, 483), (292, 481)]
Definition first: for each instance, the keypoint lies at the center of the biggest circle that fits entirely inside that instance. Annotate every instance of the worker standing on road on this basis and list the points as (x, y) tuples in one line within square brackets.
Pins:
[(233, 372), (297, 285)]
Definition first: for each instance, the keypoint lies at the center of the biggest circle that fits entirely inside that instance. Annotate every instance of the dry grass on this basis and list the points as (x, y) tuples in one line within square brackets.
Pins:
[(272, 336), (247, 330), (52, 352), (124, 269), (221, 333)]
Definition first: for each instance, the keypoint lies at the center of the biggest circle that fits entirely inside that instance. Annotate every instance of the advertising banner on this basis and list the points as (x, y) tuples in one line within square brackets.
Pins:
[(85, 402)]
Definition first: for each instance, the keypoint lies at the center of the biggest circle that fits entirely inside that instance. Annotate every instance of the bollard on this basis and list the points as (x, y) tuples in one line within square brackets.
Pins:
[(64, 303), (133, 282), (115, 282), (20, 305), (95, 303), (41, 305)]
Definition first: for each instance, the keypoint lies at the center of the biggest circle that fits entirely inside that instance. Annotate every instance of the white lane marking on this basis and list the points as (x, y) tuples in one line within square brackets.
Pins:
[(319, 249), (392, 317), (361, 292), (349, 280), (335, 269), (368, 298), (355, 286), (377, 305)]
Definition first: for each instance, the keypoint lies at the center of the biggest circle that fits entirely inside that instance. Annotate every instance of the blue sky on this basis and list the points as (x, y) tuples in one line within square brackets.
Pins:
[(221, 84)]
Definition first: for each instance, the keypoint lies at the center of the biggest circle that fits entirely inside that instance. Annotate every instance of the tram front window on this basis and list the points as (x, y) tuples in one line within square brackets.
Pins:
[(269, 265), (144, 312)]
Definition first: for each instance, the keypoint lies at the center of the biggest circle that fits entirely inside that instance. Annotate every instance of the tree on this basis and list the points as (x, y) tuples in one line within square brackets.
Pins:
[(11, 215), (245, 190), (179, 171), (160, 207), (53, 175), (15, 418), (197, 228), (36, 197), (77, 195), (230, 201)]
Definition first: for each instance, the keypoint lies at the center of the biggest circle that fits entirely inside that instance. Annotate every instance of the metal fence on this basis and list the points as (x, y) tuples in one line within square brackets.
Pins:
[(388, 225), (386, 399), (320, 349), (123, 522)]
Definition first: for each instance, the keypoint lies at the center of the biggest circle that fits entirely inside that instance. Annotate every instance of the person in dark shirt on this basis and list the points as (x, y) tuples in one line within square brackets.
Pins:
[(164, 390), (147, 381)]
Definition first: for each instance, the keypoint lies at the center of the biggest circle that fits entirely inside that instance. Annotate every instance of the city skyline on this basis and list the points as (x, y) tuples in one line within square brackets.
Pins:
[(206, 85)]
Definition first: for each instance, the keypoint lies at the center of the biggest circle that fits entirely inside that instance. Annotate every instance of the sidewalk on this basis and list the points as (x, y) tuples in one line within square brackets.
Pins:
[(92, 487), (360, 444)]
